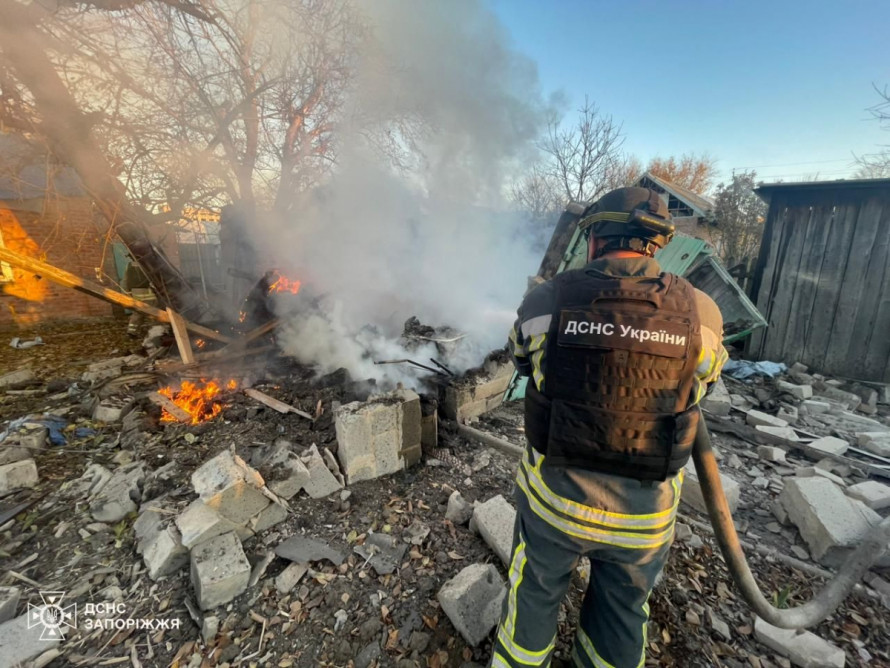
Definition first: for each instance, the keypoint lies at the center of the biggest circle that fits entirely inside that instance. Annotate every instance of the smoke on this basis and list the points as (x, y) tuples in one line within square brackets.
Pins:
[(414, 221)]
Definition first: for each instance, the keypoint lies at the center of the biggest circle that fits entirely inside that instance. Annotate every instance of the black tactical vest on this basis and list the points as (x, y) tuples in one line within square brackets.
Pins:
[(620, 368)]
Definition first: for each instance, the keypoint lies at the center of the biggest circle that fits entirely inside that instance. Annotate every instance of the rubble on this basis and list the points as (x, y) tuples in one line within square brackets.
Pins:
[(112, 409), (472, 600), (164, 553), (303, 550), (803, 648), (384, 553), (21, 639), (290, 577), (816, 407), (119, 496), (281, 469), (717, 401), (219, 570), (800, 392), (758, 418), (17, 379), (876, 442), (848, 400), (495, 520), (380, 436), (830, 445), (782, 432), (231, 487), (819, 472), (199, 522), (873, 494), (771, 453), (478, 392), (272, 514), (830, 523), (9, 600), (692, 495), (18, 475), (321, 481), (459, 511)]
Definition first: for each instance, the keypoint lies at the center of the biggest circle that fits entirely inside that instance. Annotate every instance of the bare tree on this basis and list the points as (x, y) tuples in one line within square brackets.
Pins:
[(740, 216), (695, 173), (877, 166), (582, 157)]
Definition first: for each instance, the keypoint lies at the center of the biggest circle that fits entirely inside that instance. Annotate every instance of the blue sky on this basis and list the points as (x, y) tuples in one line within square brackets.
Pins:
[(752, 83)]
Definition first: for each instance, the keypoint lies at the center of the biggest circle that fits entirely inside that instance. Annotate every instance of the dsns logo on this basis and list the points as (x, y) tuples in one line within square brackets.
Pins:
[(52, 615)]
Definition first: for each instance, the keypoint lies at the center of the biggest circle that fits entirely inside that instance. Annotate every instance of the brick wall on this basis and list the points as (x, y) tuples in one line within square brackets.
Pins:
[(64, 233)]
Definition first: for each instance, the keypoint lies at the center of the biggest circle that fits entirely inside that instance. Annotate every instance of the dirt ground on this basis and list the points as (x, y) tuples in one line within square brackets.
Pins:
[(346, 615)]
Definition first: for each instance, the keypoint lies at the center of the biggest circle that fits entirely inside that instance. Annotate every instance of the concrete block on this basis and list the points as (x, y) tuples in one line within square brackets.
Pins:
[(816, 407), (199, 522), (219, 570), (797, 391), (830, 523), (289, 577), (118, 497), (847, 399), (459, 511), (758, 418), (692, 495), (472, 600), (380, 436), (780, 432), (282, 470), (112, 409), (10, 453), (477, 394), (25, 637), (269, 516), (18, 475), (877, 442), (819, 472), (771, 453), (164, 554), (717, 401), (802, 648), (102, 370), (9, 600), (830, 445), (322, 482), (16, 379), (788, 413), (495, 520), (741, 402), (872, 493), (232, 488)]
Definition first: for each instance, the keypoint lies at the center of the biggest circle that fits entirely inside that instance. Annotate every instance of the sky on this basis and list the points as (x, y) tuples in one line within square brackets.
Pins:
[(780, 86)]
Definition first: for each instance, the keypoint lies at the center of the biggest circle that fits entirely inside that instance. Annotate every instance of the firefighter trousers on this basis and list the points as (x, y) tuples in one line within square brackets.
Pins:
[(547, 547)]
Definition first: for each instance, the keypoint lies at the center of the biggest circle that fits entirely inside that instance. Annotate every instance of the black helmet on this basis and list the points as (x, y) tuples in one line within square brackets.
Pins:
[(629, 218)]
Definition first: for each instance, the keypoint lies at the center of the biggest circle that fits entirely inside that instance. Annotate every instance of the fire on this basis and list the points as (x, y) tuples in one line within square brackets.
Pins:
[(200, 343), (201, 402), (285, 284), (242, 316)]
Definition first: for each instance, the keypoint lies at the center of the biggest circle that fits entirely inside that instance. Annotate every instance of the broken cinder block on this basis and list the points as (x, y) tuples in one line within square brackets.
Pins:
[(759, 418), (321, 482), (803, 648), (18, 475), (692, 495), (797, 391), (830, 445), (717, 401), (472, 600), (476, 394), (232, 488), (220, 570), (282, 470), (380, 436), (494, 520), (872, 493), (119, 496)]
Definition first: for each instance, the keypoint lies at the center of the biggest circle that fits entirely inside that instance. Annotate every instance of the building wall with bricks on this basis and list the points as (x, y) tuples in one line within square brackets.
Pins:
[(64, 232)]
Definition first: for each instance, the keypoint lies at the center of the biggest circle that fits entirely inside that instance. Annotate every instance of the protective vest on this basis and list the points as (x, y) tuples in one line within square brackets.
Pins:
[(620, 368)]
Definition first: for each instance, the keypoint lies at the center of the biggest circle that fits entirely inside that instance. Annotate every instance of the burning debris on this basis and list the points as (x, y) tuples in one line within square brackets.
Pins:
[(201, 400)]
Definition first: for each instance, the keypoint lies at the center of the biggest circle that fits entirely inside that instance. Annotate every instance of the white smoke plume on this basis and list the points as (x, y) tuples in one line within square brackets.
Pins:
[(376, 244)]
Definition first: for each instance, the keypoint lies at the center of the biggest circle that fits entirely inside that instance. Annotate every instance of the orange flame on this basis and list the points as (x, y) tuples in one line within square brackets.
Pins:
[(285, 284), (242, 316), (200, 402), (200, 343)]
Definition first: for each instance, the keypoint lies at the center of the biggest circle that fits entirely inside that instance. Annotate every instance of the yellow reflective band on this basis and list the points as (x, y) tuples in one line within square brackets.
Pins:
[(524, 656), (499, 662), (635, 541), (595, 515), (595, 658), (517, 565)]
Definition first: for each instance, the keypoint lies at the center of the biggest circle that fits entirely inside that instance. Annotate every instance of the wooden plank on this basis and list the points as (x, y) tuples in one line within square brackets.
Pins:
[(800, 329), (275, 404), (767, 268), (829, 286), (167, 404), (860, 251), (875, 361), (69, 280), (785, 282), (180, 333)]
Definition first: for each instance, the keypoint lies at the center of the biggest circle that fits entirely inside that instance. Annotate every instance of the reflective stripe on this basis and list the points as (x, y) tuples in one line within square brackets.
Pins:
[(516, 568), (591, 653), (617, 538), (524, 656), (498, 661), (538, 325), (589, 514)]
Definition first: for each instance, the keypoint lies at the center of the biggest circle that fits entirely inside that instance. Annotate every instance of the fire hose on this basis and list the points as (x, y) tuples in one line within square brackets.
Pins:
[(808, 614)]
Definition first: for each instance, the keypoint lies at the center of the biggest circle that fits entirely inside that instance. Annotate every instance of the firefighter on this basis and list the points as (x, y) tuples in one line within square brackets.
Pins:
[(136, 284), (618, 354)]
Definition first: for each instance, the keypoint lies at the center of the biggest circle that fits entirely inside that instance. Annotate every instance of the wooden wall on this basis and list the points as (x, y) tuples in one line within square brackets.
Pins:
[(823, 279)]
